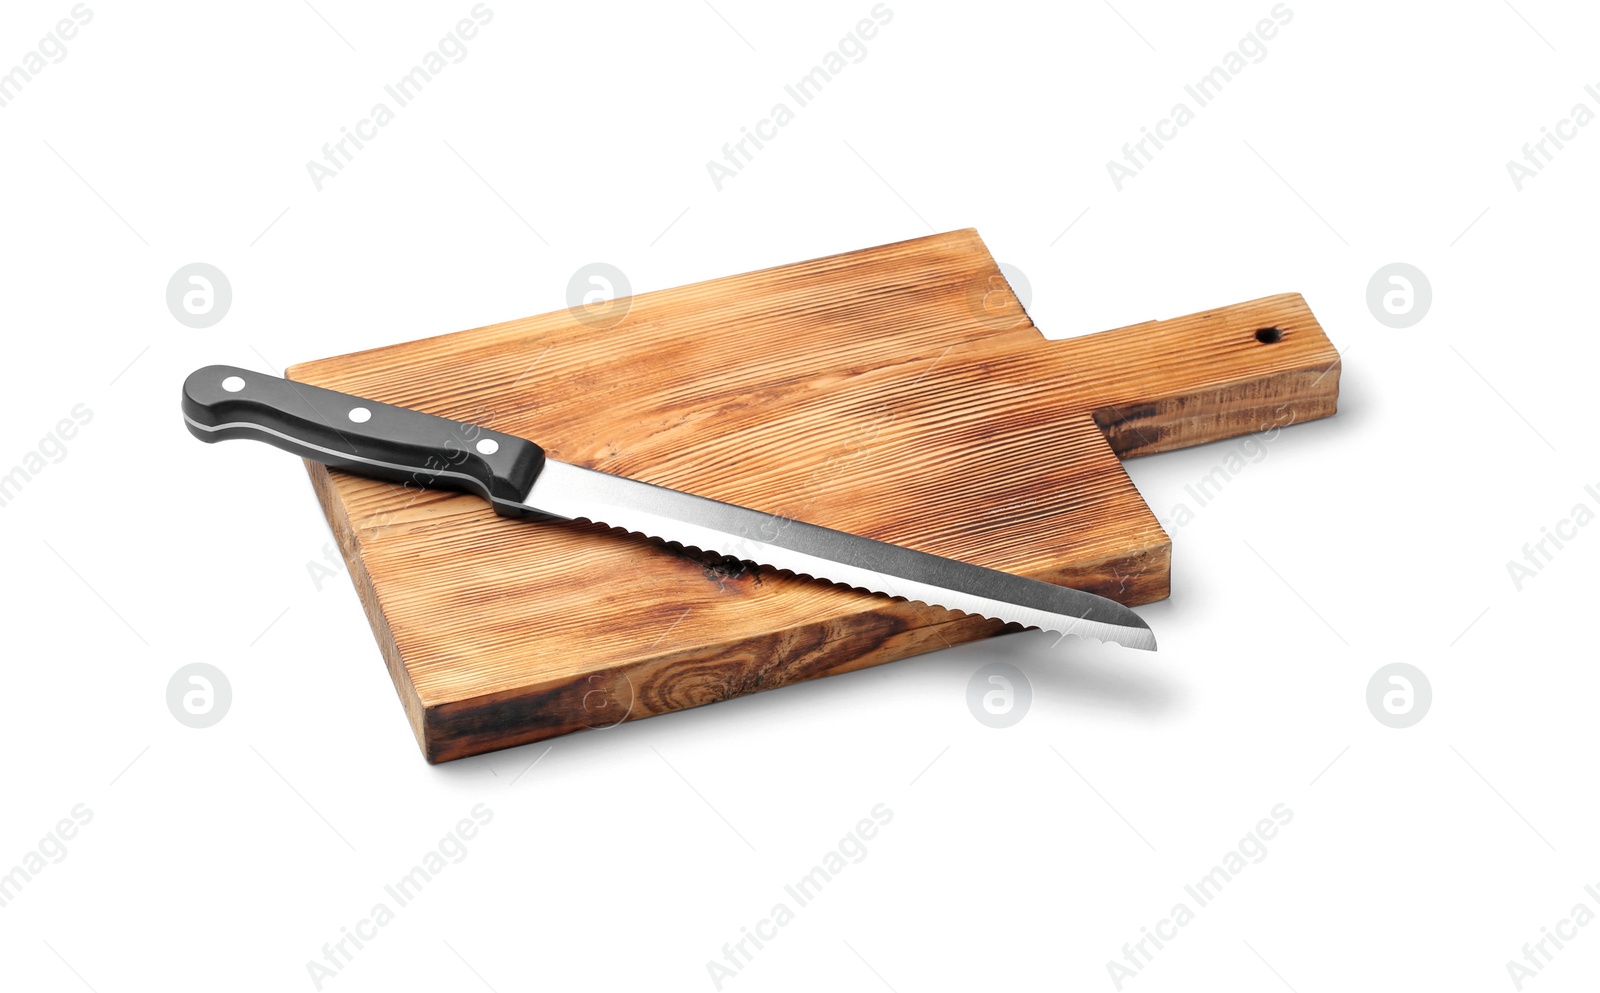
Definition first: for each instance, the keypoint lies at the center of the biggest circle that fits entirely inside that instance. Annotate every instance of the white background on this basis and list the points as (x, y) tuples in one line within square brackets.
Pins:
[(1371, 133)]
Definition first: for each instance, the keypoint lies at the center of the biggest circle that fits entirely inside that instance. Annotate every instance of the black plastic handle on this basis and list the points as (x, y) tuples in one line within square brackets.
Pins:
[(362, 436)]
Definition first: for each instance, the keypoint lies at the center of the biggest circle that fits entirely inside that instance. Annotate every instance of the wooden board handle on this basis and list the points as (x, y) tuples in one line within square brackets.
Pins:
[(1235, 370)]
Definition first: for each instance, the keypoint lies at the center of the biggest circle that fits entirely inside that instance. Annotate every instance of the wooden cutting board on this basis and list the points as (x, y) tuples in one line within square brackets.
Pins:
[(898, 392)]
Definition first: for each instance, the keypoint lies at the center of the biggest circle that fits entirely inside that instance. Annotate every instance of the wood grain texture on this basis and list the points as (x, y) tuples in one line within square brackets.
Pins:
[(898, 392)]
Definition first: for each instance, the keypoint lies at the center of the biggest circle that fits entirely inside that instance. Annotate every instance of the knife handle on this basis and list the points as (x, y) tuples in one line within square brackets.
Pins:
[(362, 436)]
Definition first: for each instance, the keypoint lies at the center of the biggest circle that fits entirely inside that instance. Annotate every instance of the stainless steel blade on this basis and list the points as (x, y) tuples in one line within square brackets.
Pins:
[(572, 492)]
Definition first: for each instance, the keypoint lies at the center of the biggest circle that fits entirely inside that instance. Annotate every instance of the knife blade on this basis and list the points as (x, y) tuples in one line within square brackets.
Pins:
[(408, 446)]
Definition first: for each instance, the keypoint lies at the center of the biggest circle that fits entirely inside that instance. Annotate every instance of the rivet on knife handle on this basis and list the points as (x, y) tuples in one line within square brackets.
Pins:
[(362, 436)]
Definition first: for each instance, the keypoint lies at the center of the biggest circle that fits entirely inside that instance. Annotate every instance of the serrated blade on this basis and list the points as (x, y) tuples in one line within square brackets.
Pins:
[(779, 543)]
